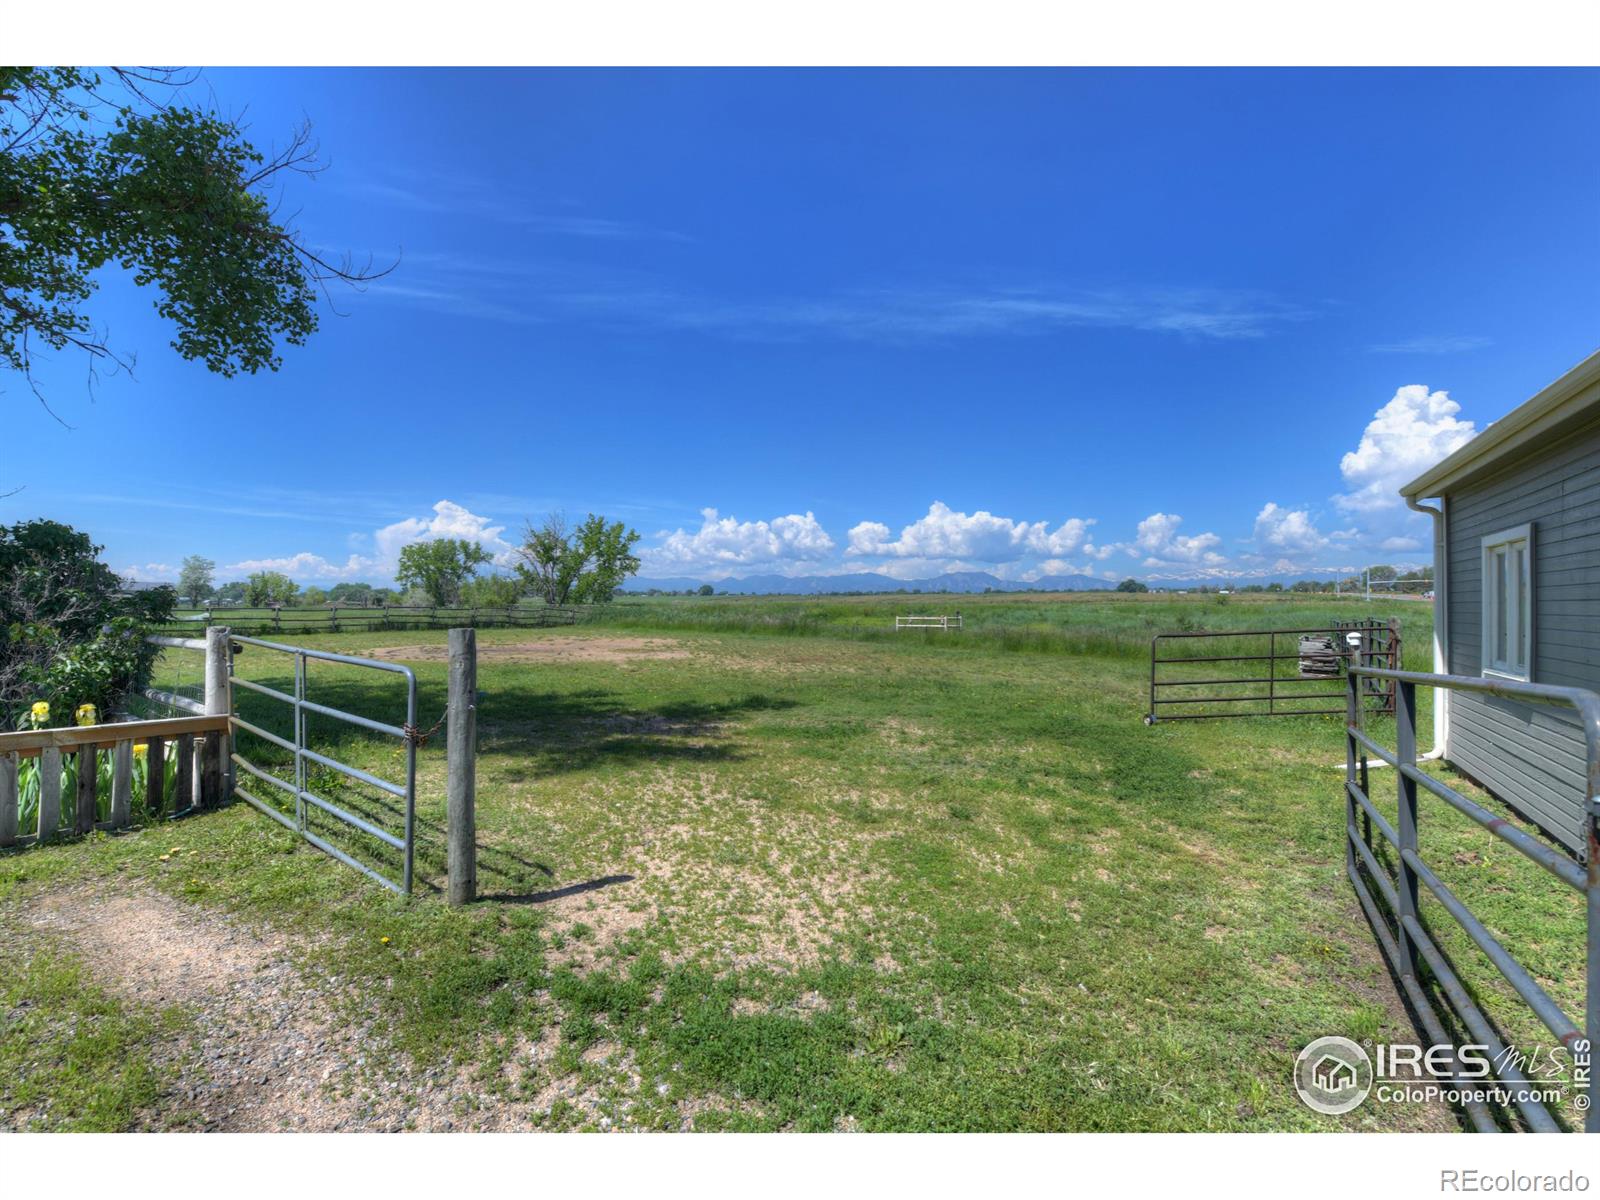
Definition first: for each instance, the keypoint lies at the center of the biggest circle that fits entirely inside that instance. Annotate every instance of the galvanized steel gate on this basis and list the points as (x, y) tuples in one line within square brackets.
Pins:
[(1412, 948), (302, 796)]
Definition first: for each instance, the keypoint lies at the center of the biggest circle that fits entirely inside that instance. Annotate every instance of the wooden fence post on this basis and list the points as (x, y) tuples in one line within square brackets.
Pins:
[(214, 773), (121, 784), (49, 793), (8, 799), (87, 771), (462, 753)]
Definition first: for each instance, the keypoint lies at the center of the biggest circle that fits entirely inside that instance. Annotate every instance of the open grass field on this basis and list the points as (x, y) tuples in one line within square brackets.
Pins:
[(753, 864)]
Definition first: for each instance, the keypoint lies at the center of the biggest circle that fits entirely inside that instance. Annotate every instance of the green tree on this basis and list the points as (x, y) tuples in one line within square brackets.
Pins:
[(194, 580), (707, 590), (440, 567), (577, 566), (312, 597), (351, 593), (491, 591), (269, 589), (1132, 585), (232, 592), (120, 170), (69, 635)]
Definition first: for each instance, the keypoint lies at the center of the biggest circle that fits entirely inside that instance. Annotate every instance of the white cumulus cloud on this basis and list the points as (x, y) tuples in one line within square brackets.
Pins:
[(449, 520), (981, 537), (726, 542), (149, 572), (1408, 435), (1400, 543), (1288, 531), (1161, 543)]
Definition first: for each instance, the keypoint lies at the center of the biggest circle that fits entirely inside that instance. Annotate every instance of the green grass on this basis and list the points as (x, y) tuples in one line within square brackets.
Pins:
[(72, 1058), (850, 880)]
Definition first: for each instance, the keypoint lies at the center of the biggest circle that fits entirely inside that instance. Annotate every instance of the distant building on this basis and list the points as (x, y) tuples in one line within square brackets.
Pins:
[(1517, 587)]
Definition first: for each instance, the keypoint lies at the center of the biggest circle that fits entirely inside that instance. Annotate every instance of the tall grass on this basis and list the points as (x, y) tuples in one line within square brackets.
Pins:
[(1098, 625)]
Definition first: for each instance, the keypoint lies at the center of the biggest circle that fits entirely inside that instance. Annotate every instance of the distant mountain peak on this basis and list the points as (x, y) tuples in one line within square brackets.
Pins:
[(951, 582)]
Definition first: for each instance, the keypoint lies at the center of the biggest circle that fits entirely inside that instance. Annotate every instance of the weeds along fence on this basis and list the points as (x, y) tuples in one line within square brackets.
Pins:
[(333, 618)]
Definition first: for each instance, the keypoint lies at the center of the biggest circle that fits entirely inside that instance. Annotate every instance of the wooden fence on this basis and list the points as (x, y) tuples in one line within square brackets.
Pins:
[(341, 618), (199, 782)]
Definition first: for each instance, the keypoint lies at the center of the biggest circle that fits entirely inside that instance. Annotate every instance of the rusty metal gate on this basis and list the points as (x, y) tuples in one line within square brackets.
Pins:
[(1215, 674)]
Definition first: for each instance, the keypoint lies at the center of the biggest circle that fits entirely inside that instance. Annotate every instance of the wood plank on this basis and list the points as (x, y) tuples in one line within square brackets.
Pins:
[(183, 782), (88, 766), (156, 776), (121, 784), (213, 770), (8, 799), (49, 793), (31, 741)]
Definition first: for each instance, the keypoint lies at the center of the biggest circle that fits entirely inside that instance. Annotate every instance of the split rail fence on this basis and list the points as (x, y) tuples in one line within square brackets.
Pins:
[(339, 618)]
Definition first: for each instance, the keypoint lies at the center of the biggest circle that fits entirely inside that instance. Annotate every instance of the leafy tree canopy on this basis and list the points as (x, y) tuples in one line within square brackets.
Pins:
[(266, 589), (97, 171), (491, 591), (577, 566), (1132, 585), (439, 568), (194, 580)]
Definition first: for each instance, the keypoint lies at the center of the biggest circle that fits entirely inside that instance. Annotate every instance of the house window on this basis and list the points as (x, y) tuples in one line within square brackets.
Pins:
[(1508, 603)]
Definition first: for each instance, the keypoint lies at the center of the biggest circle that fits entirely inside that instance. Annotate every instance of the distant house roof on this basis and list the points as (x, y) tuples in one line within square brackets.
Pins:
[(1566, 401)]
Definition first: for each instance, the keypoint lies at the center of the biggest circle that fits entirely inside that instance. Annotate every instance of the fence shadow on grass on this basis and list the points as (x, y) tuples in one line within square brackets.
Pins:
[(545, 897)]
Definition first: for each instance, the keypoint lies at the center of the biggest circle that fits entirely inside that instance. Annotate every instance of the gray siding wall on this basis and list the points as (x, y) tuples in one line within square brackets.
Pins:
[(1529, 755)]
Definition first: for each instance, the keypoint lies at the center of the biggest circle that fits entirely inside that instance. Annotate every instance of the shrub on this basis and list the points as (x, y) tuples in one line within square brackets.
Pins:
[(68, 636)]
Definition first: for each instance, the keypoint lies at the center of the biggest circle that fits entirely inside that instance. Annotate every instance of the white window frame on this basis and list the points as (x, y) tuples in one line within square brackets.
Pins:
[(1519, 618)]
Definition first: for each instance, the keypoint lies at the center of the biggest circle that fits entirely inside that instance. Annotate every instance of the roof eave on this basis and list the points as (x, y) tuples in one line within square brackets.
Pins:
[(1558, 402)]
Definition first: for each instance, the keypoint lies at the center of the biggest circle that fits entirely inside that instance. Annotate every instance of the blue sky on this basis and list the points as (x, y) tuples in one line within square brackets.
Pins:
[(1164, 323)]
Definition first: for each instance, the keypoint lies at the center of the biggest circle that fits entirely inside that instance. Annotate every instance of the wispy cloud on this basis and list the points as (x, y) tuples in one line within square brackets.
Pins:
[(564, 292), (480, 199), (921, 314), (1431, 345)]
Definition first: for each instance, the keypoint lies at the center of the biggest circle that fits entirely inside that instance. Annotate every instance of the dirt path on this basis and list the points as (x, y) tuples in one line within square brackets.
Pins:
[(265, 1051), (267, 1048)]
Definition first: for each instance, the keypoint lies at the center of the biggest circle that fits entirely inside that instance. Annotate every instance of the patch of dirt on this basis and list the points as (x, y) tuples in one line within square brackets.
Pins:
[(586, 926), (268, 1049), (564, 648)]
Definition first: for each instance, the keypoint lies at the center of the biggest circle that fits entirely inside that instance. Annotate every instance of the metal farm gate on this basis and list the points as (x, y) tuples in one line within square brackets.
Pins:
[(1388, 865), (307, 806), (1215, 674)]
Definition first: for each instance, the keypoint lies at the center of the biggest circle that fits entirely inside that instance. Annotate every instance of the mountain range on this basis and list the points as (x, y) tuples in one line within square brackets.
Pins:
[(871, 581)]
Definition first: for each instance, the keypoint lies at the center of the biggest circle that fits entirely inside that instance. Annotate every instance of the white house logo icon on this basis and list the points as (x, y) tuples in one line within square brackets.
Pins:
[(1333, 1075)]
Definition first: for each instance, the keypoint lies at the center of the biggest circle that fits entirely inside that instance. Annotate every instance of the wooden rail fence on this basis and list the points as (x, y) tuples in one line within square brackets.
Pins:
[(338, 618), (200, 780)]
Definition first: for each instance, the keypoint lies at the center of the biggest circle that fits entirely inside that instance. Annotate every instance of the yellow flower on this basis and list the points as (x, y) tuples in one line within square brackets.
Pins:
[(41, 712), (87, 715), (384, 940), (140, 749), (166, 857)]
